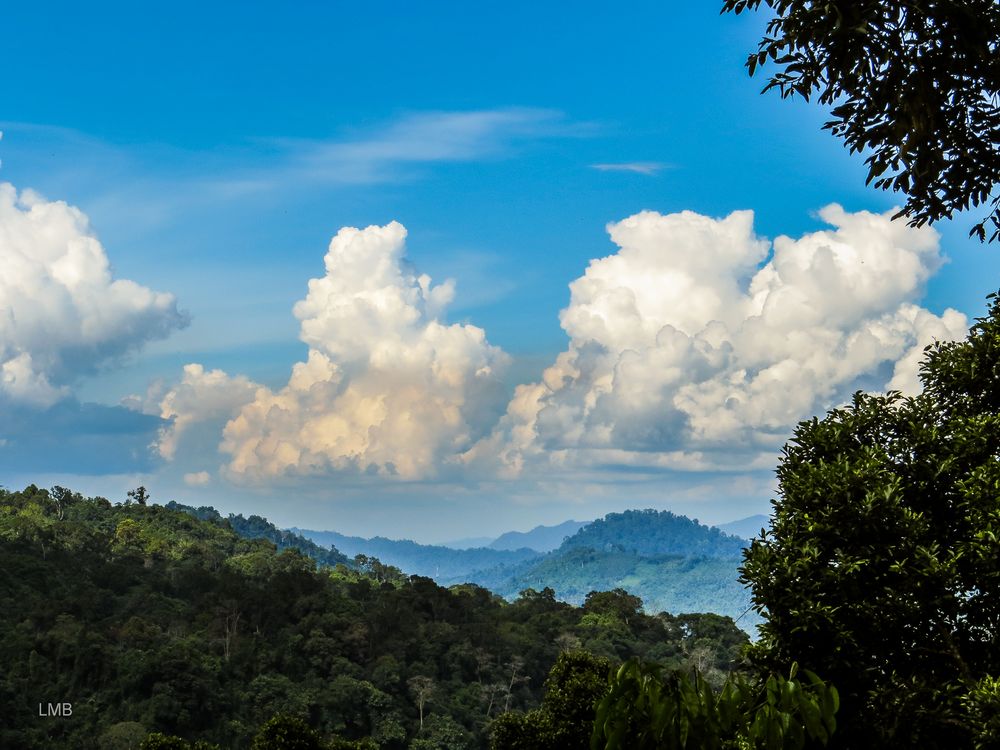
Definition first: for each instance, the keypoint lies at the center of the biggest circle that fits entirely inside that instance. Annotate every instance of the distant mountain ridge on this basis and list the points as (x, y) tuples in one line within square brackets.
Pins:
[(675, 564), (746, 528), (540, 538), (443, 564), (472, 542)]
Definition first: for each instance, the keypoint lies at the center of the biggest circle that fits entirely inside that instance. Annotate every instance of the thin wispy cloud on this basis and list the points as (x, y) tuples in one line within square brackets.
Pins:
[(399, 150), (396, 150), (425, 138), (651, 168)]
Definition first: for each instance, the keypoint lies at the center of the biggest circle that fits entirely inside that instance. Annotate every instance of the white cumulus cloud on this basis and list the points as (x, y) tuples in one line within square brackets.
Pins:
[(62, 314), (387, 388), (688, 351), (201, 398)]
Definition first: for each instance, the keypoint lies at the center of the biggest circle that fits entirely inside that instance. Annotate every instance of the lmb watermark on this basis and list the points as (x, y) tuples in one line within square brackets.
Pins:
[(53, 710)]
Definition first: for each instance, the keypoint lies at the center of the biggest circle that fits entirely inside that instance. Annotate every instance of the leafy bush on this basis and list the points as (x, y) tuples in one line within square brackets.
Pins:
[(646, 709)]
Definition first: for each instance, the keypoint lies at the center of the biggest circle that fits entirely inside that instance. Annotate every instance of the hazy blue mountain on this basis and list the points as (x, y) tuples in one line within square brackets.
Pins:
[(443, 564), (746, 528), (472, 542), (540, 538), (674, 564)]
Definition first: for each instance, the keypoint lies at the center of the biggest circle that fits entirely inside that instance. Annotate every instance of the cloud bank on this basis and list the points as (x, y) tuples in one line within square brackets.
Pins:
[(62, 314), (688, 351), (70, 437), (696, 346)]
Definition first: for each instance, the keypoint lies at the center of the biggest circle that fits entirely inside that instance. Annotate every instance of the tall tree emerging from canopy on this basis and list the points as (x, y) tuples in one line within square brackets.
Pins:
[(914, 84), (881, 570)]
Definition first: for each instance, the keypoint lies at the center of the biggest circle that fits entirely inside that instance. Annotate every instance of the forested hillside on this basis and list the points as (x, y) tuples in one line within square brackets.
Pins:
[(148, 619), (650, 533), (256, 527), (673, 563), (664, 583)]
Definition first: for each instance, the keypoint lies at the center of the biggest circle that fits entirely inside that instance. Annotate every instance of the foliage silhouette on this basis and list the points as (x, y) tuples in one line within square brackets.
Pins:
[(881, 569), (913, 84)]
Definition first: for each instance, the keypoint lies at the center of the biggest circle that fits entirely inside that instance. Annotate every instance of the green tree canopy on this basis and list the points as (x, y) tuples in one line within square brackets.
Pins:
[(566, 717), (283, 732), (914, 84), (175, 627), (881, 570)]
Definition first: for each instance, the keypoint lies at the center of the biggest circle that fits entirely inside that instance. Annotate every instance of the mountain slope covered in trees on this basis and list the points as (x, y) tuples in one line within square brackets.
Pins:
[(148, 619), (256, 527), (674, 564), (650, 533)]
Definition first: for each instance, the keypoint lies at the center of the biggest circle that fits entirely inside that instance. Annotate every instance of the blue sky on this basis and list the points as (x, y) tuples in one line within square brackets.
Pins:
[(216, 149)]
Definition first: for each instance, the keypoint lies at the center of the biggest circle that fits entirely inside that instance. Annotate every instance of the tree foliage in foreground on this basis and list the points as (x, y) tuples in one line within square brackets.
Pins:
[(646, 710), (881, 570), (566, 717), (914, 84), (637, 705)]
